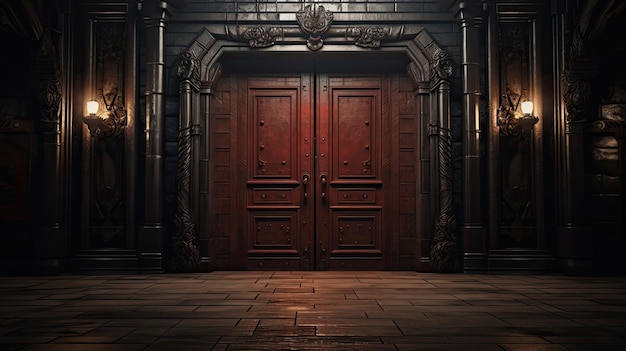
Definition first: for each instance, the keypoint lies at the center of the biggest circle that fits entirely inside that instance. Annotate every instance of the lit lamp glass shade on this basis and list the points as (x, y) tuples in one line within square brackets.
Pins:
[(527, 108), (92, 107)]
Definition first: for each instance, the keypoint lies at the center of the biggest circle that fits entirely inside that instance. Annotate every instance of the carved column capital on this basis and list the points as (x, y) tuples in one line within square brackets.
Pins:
[(153, 9), (188, 66), (440, 67), (469, 13)]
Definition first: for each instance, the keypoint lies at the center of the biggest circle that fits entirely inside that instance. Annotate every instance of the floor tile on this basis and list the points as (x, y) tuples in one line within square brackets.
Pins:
[(344, 310)]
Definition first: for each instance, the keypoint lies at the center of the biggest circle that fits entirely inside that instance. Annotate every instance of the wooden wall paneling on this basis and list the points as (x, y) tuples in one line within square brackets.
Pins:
[(220, 186), (408, 145), (517, 237), (107, 238)]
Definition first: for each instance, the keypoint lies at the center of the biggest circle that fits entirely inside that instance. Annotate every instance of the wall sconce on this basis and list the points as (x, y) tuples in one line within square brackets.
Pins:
[(527, 121), (114, 121), (97, 125), (512, 124)]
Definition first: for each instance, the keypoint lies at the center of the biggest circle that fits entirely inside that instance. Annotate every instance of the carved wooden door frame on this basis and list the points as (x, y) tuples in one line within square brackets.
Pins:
[(429, 69)]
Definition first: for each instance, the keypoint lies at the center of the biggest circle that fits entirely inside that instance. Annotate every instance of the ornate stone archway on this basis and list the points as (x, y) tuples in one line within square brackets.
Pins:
[(429, 69)]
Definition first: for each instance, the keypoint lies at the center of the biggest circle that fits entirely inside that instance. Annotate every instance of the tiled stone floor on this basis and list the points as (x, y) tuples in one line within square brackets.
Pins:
[(312, 311)]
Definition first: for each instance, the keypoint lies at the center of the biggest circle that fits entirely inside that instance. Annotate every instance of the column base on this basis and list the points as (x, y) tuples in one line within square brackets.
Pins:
[(575, 251), (474, 240), (151, 250), (96, 261), (521, 261)]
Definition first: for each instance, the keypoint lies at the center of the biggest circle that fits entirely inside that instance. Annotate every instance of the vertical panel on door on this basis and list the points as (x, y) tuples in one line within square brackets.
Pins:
[(278, 161), (350, 219)]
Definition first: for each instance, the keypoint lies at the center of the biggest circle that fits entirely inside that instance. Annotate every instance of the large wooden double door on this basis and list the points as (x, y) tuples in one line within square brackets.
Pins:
[(314, 169)]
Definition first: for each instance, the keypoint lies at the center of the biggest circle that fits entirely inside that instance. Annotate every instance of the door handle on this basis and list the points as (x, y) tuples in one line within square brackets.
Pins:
[(305, 181), (324, 180)]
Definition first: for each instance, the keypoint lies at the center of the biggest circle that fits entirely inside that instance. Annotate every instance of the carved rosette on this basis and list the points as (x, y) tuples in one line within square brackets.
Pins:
[(367, 37), (262, 37), (314, 22)]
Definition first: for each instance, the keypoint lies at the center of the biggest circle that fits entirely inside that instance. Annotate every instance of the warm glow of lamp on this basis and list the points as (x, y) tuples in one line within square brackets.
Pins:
[(92, 107), (527, 108)]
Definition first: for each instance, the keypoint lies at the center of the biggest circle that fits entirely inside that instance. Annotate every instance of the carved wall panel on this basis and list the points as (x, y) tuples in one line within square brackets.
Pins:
[(515, 147), (107, 158), (108, 193), (517, 201)]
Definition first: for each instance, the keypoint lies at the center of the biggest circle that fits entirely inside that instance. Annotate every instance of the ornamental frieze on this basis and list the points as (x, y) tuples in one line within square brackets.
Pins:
[(314, 31)]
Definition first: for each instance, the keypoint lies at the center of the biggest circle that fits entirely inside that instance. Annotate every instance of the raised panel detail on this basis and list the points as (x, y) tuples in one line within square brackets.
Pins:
[(356, 231), (272, 231), (272, 196), (352, 196), (354, 133), (275, 125)]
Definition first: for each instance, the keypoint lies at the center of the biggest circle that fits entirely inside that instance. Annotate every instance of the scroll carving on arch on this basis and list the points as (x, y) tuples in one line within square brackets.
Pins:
[(262, 37), (367, 37), (315, 23)]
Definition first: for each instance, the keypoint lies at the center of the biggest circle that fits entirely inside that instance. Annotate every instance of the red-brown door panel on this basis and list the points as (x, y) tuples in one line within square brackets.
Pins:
[(276, 130), (350, 216)]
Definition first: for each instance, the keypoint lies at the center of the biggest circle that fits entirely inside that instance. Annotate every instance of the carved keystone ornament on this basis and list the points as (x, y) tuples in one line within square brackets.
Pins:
[(314, 23)]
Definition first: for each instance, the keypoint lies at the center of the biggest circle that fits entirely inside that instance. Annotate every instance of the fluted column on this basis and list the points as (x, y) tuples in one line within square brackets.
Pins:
[(473, 232), (152, 234), (575, 102), (51, 245)]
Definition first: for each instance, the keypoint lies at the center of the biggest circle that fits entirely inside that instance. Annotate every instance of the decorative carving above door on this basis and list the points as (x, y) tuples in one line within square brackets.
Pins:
[(314, 22), (367, 36)]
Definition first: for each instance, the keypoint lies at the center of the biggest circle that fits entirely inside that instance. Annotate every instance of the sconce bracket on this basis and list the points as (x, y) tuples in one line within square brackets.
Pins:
[(103, 127), (517, 128)]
